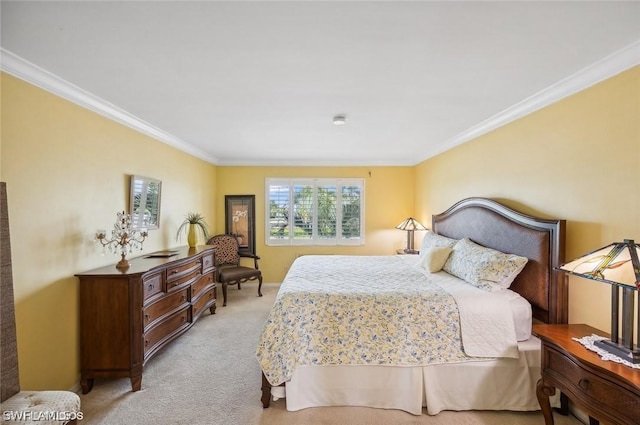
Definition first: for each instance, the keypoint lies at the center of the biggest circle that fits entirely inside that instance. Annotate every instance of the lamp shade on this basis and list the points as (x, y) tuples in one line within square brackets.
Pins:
[(616, 264), (410, 224)]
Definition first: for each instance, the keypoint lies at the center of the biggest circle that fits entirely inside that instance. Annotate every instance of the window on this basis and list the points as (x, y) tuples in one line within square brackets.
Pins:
[(315, 212)]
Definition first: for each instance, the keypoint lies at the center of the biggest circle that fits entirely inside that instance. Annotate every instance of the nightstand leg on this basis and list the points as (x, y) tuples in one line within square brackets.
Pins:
[(543, 393)]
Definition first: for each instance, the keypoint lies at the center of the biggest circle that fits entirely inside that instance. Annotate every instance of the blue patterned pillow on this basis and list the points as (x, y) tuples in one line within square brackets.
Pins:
[(482, 267)]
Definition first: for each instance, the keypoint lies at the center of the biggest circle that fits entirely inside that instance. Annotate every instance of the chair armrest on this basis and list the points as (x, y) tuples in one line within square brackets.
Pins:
[(250, 255)]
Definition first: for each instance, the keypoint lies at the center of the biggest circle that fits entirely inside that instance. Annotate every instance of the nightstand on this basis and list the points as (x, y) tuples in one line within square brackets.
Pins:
[(606, 391)]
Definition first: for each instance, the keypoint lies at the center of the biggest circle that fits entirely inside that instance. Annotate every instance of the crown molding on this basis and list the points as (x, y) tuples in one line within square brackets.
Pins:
[(31, 73), (312, 162), (611, 65)]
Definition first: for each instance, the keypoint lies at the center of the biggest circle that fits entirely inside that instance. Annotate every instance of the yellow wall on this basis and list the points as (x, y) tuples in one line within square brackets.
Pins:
[(578, 159), (67, 172), (388, 201)]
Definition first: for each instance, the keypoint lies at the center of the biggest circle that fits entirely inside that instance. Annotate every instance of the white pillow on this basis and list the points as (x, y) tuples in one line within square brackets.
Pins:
[(431, 240), (482, 267), (434, 258)]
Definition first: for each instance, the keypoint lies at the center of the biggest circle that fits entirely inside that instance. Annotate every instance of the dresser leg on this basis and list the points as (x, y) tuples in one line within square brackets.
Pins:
[(86, 384), (136, 383), (593, 421), (543, 393)]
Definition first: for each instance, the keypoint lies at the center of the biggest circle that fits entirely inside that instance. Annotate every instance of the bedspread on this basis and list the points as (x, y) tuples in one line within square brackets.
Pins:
[(325, 313)]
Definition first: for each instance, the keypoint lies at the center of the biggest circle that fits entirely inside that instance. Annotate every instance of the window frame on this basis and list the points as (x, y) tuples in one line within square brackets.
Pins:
[(339, 183)]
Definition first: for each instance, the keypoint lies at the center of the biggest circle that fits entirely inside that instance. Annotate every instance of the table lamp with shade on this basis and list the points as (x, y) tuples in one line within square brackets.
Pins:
[(616, 264), (410, 225)]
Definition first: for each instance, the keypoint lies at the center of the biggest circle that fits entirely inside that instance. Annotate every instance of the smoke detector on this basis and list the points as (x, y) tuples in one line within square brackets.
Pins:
[(339, 120)]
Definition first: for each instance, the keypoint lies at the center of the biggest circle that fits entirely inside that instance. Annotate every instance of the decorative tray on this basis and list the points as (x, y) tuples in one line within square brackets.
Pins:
[(162, 254)]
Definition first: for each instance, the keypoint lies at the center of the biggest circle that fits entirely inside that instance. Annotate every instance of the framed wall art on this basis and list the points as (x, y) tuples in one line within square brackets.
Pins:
[(144, 202), (240, 220)]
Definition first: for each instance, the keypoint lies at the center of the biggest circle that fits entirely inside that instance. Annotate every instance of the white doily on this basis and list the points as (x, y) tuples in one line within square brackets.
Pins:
[(587, 341)]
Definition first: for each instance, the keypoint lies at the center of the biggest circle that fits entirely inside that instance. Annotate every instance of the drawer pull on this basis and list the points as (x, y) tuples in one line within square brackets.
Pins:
[(150, 286), (146, 317), (584, 384), (174, 271), (146, 342), (183, 298)]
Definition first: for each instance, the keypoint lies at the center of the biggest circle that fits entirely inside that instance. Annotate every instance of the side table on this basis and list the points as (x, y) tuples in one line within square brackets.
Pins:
[(605, 390)]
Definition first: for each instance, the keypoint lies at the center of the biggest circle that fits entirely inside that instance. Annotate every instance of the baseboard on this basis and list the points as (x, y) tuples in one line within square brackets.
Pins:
[(76, 388)]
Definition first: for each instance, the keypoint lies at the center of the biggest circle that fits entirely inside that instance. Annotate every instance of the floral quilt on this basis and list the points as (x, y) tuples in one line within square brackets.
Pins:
[(358, 310)]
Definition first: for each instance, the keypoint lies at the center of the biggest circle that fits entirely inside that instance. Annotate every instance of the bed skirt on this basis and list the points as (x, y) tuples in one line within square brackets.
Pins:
[(500, 384)]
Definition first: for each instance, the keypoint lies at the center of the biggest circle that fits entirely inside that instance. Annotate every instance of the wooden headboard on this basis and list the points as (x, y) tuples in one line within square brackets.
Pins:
[(493, 225)]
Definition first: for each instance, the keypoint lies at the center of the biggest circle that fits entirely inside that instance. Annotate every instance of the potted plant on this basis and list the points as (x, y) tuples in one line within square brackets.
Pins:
[(193, 223)]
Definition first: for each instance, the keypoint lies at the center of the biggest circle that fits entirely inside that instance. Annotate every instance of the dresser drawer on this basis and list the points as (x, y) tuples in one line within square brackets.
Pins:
[(203, 302), (152, 285), (165, 330), (164, 306), (178, 271), (201, 285), (184, 279), (207, 262), (591, 388)]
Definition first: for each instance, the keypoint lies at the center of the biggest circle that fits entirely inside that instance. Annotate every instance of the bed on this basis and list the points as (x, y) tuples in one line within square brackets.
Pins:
[(381, 331)]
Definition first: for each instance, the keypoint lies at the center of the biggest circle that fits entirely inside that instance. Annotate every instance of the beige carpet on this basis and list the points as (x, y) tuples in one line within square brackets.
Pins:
[(210, 376)]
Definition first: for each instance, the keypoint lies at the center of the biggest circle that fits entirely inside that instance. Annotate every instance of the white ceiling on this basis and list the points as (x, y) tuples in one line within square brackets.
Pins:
[(259, 82)]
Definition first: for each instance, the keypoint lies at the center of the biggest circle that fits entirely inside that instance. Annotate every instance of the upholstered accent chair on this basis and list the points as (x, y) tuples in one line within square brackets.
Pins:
[(228, 268), (16, 406)]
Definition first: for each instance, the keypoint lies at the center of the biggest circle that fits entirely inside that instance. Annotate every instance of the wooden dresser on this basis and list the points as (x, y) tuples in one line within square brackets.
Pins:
[(127, 316)]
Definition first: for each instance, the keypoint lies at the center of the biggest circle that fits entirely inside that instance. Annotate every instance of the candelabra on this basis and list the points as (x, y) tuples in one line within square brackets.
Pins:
[(124, 239)]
